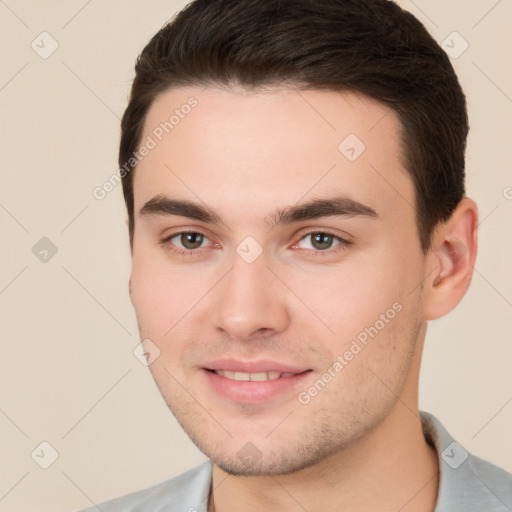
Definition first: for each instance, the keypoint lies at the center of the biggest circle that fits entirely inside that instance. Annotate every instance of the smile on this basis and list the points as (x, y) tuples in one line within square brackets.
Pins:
[(253, 382), (255, 377)]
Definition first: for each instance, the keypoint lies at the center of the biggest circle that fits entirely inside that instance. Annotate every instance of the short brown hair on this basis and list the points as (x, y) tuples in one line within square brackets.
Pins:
[(369, 46)]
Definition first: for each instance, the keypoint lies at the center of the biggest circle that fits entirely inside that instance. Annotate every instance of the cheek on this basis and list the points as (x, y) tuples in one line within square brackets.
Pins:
[(352, 296), (165, 296), (154, 291)]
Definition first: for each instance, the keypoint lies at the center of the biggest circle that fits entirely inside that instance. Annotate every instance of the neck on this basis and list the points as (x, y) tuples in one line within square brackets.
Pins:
[(393, 468)]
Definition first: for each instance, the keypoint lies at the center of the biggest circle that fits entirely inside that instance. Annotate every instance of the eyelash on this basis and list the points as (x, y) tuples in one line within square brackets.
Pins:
[(166, 243), (341, 246)]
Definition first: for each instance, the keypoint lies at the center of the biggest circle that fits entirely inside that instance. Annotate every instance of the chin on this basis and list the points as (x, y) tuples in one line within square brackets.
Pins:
[(250, 461)]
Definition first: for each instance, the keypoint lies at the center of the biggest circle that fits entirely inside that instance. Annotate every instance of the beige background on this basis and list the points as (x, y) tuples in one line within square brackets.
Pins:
[(68, 374)]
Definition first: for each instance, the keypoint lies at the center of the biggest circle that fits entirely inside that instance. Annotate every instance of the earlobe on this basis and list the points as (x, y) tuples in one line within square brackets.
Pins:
[(453, 255)]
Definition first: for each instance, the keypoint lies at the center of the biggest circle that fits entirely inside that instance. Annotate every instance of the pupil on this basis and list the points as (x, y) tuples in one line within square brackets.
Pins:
[(322, 241), (191, 240)]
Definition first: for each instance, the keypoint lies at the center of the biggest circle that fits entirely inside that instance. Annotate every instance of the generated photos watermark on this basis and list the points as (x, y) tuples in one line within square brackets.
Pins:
[(357, 345), (157, 135)]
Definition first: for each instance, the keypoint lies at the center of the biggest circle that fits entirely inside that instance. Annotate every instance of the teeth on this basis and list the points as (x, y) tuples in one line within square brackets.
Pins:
[(259, 376)]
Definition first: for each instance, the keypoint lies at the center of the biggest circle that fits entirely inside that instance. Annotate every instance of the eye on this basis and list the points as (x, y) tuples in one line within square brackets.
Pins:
[(320, 241), (187, 240), (191, 240)]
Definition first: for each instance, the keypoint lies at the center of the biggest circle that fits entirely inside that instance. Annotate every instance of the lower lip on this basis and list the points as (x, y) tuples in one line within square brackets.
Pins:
[(253, 392)]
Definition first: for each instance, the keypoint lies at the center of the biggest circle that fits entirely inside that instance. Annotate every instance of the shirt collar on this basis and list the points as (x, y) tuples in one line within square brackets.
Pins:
[(466, 483)]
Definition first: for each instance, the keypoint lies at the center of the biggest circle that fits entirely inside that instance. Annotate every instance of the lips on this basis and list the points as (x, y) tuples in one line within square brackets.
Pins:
[(252, 382)]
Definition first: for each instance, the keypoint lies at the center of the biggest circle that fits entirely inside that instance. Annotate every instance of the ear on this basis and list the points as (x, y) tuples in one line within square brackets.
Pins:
[(452, 255), (130, 289)]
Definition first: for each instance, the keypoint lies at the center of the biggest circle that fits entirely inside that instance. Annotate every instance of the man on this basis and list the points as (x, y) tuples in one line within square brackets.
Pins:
[(294, 179)]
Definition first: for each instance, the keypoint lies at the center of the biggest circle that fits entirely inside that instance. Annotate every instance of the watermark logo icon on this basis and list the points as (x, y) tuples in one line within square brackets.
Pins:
[(249, 249), (44, 455), (44, 45), (44, 250), (146, 352), (249, 454), (454, 455), (351, 147), (454, 45)]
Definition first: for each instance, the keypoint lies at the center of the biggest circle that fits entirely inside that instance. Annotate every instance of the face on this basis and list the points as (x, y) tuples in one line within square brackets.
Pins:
[(276, 270)]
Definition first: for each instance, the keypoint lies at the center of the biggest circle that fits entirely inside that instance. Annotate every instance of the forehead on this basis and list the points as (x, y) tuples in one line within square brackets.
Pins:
[(277, 145)]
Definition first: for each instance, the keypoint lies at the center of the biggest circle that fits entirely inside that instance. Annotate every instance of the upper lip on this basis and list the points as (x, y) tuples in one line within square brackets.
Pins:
[(234, 365)]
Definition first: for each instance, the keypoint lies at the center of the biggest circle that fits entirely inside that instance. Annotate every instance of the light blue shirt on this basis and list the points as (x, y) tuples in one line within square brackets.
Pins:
[(466, 484)]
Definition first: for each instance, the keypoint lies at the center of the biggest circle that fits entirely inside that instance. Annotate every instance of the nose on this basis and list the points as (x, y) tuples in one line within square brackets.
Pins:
[(250, 303)]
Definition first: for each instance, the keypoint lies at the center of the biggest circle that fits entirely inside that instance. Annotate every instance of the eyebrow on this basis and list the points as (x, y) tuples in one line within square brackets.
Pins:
[(317, 208), (162, 205)]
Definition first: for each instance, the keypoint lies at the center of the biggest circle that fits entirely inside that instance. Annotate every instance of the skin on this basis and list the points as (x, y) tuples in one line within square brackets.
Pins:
[(358, 444)]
